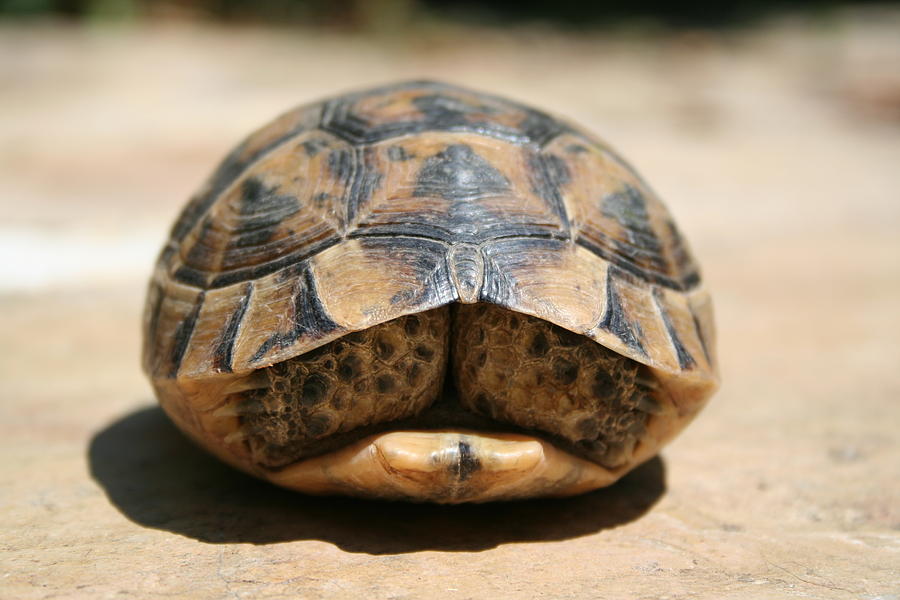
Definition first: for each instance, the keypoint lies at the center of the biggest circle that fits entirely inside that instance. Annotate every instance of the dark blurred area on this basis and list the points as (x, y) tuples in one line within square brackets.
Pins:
[(379, 14)]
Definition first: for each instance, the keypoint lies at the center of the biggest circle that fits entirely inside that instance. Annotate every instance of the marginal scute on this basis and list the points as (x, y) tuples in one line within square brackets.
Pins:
[(370, 280), (174, 312), (525, 275), (306, 317)]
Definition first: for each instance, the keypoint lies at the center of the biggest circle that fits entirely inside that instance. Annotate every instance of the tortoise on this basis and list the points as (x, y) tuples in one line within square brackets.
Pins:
[(428, 293)]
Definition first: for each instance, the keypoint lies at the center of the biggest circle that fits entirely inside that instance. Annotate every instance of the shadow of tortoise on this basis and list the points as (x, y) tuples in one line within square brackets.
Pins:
[(157, 478)]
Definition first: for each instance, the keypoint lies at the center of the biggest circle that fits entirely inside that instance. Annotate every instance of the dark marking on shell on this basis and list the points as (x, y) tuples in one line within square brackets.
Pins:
[(548, 174), (402, 297), (310, 319), (289, 260), (426, 257), (498, 287), (685, 360), (642, 247), (154, 302), (224, 352), (615, 320), (702, 336), (338, 118), (606, 250), (459, 173), (681, 256), (444, 111), (466, 225), (540, 127), (340, 164), (398, 154), (466, 463), (189, 276), (365, 181), (314, 146), (261, 207), (640, 253), (202, 253), (261, 211), (183, 334), (442, 107)]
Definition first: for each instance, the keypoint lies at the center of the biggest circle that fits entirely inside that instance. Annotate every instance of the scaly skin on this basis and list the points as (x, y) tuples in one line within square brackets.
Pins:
[(520, 369), (388, 372), (509, 368)]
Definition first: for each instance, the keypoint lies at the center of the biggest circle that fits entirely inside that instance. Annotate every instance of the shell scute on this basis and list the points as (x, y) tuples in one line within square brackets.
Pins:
[(453, 187)]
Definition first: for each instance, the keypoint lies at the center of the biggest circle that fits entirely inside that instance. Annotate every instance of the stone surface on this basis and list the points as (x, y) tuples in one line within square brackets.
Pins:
[(777, 151)]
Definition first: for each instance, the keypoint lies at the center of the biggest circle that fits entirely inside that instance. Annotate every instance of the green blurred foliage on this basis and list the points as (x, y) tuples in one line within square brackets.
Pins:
[(382, 14)]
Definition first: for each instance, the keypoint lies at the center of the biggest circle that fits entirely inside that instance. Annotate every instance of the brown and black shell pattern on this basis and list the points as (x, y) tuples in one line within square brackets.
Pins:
[(350, 212)]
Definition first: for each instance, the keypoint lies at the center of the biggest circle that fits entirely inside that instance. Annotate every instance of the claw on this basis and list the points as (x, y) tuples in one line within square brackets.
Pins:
[(649, 404), (235, 436), (226, 410), (255, 381)]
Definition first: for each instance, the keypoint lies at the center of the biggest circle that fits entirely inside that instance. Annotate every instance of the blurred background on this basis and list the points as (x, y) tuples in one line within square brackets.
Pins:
[(771, 129)]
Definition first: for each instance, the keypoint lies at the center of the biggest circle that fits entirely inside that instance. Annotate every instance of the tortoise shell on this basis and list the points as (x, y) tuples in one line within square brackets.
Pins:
[(427, 228)]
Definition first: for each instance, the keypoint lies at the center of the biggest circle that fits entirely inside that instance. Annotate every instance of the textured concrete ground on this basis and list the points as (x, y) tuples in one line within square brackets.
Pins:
[(778, 151)]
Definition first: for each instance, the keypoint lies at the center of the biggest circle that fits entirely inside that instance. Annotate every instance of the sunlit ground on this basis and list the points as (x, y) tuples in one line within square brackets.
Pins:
[(777, 148)]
